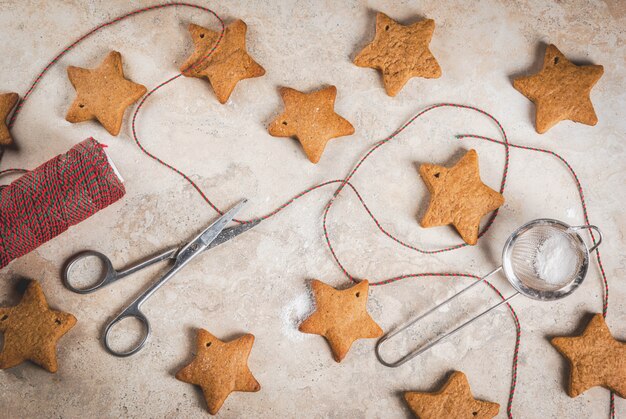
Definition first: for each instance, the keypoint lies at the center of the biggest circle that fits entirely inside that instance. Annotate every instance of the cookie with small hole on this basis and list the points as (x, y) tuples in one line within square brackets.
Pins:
[(341, 317), (31, 330)]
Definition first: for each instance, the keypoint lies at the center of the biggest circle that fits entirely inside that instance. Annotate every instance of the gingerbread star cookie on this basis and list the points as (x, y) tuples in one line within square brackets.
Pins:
[(596, 359), (400, 52), (560, 91), (311, 118), (7, 103), (454, 400), (31, 330), (103, 93), (458, 196), (227, 65), (341, 317), (220, 368)]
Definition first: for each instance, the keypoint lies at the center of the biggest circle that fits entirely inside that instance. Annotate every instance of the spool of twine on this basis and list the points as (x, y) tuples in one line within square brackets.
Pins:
[(60, 193)]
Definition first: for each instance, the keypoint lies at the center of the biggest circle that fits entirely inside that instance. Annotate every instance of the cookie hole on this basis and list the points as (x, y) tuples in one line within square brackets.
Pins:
[(201, 35), (358, 294), (437, 174), (81, 106), (475, 413), (556, 60), (57, 321), (284, 122), (4, 317), (208, 344), (387, 27)]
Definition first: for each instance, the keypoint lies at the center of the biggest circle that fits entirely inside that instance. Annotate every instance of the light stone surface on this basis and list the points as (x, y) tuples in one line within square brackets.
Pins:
[(258, 282)]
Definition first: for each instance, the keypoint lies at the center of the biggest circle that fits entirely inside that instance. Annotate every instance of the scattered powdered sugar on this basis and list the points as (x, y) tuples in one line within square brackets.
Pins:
[(294, 313), (572, 212), (556, 259)]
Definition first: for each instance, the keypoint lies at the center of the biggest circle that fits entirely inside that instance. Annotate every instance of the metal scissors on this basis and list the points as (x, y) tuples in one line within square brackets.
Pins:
[(212, 236)]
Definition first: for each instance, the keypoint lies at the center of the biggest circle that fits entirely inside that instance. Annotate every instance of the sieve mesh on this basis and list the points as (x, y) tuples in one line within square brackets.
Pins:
[(540, 265)]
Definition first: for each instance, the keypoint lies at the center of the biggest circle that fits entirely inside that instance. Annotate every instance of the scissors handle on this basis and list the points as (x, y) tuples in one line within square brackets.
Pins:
[(108, 274), (132, 311)]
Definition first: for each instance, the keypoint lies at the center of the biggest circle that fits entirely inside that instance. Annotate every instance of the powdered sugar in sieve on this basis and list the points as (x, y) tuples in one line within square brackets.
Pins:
[(556, 259)]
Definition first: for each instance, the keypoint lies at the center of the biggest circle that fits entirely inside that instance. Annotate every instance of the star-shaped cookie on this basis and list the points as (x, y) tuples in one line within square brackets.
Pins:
[(7, 103), (458, 196), (227, 65), (341, 317), (103, 93), (400, 52), (220, 368), (596, 359), (454, 400), (560, 91), (311, 118), (31, 330)]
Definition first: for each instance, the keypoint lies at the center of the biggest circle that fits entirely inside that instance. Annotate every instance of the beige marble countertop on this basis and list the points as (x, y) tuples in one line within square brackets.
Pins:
[(258, 283)]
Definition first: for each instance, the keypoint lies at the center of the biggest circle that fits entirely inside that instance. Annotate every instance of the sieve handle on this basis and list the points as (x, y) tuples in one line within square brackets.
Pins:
[(430, 344), (590, 227)]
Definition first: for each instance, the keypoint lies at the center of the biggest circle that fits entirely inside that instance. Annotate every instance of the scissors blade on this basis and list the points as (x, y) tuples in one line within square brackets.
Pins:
[(231, 233), (208, 235), (204, 239)]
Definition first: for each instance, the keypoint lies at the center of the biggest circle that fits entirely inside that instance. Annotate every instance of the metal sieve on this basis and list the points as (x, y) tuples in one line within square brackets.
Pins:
[(521, 255)]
